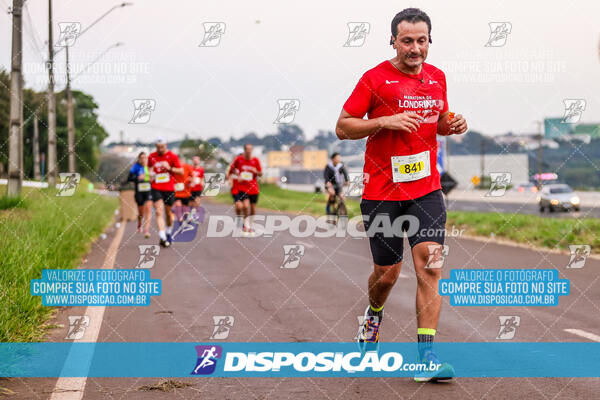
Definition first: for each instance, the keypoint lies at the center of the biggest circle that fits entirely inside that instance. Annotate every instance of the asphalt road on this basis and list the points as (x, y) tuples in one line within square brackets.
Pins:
[(318, 301)]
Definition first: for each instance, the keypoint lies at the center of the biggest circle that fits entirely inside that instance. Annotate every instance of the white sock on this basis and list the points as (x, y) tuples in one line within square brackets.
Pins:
[(162, 235), (169, 229)]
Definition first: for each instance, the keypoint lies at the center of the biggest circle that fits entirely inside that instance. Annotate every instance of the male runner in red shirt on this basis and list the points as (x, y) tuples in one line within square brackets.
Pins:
[(249, 169), (197, 182), (232, 177), (405, 102), (163, 164)]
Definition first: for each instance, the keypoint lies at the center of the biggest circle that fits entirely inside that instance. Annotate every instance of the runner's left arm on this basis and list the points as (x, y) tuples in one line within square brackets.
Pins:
[(258, 168), (175, 166)]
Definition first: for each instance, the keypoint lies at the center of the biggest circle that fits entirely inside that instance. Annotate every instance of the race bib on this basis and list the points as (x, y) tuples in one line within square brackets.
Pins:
[(179, 187), (246, 176), (143, 187), (162, 178), (411, 168), (196, 181)]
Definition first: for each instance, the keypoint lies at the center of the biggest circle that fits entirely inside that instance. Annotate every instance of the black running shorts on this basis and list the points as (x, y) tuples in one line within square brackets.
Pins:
[(243, 196), (167, 197), (422, 220), (142, 197)]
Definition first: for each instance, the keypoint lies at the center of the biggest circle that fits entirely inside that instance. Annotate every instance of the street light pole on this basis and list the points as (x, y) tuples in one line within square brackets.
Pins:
[(51, 173), (70, 119), (70, 111), (16, 103)]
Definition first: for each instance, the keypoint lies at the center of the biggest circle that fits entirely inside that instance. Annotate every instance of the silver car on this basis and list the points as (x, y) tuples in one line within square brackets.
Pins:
[(558, 197)]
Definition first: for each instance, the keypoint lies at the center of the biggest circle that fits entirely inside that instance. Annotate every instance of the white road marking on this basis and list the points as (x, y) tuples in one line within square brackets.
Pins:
[(307, 245), (584, 334), (72, 388)]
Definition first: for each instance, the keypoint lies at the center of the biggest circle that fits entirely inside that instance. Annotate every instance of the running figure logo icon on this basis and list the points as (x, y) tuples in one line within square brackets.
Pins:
[(187, 220), (148, 255), (213, 184), (223, 324), (357, 33), (437, 255), (68, 33), (68, 183), (499, 32), (207, 359), (77, 325), (287, 110), (292, 253), (142, 109), (573, 110), (579, 253), (499, 183), (508, 326), (356, 184), (212, 34)]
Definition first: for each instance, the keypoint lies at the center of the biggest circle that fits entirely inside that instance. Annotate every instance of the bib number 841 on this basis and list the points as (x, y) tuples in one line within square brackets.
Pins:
[(409, 168)]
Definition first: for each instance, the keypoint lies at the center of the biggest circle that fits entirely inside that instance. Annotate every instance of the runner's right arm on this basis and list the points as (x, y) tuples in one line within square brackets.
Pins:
[(133, 174)]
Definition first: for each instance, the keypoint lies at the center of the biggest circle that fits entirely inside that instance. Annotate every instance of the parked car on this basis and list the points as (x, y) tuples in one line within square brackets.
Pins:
[(558, 197)]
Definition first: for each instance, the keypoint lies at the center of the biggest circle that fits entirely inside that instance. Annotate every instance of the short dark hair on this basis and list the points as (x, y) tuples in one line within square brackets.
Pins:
[(412, 15), (246, 145), (334, 154), (141, 152)]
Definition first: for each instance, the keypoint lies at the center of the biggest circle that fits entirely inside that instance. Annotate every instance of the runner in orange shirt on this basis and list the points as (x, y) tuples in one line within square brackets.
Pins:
[(183, 187)]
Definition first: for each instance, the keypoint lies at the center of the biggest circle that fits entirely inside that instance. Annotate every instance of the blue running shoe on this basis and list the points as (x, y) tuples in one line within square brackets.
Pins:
[(436, 370), (368, 333), (169, 239)]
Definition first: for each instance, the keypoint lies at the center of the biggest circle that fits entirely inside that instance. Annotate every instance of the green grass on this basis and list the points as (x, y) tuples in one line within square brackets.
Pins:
[(274, 198), (12, 202), (50, 232), (556, 233)]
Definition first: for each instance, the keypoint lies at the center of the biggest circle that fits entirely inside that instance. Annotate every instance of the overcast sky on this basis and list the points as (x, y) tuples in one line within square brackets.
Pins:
[(294, 50)]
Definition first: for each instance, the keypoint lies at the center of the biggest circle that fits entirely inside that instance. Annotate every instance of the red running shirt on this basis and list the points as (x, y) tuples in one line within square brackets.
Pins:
[(163, 180), (182, 182), (197, 175), (382, 91), (246, 181)]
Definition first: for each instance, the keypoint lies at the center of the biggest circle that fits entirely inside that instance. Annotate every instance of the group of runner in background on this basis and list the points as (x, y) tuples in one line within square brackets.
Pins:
[(162, 181)]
